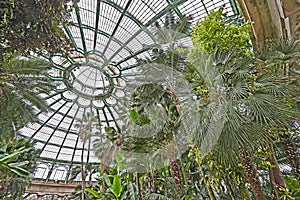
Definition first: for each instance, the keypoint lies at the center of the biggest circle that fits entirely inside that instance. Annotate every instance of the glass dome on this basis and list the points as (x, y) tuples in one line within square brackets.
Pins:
[(109, 37)]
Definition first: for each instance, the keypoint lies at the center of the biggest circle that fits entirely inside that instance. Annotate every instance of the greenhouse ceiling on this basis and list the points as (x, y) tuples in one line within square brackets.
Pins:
[(109, 37)]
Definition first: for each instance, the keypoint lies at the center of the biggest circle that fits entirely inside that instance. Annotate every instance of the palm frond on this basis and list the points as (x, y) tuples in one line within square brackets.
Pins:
[(266, 109), (21, 81), (25, 67)]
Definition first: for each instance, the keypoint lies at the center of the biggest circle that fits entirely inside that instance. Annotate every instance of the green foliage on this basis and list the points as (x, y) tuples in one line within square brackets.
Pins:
[(95, 193), (281, 59), (255, 97), (132, 192), (15, 167), (133, 115), (293, 188), (116, 186), (255, 101), (17, 161), (139, 119), (247, 102), (21, 83), (145, 112), (33, 25), (213, 174), (215, 31)]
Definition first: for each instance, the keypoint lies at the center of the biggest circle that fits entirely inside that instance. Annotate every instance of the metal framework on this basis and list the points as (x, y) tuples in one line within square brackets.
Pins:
[(109, 36)]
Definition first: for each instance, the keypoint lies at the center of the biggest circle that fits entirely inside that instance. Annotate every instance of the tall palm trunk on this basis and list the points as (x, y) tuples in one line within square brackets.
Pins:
[(176, 172), (82, 173), (151, 185), (276, 178), (291, 152), (138, 186), (251, 174), (275, 192), (104, 169)]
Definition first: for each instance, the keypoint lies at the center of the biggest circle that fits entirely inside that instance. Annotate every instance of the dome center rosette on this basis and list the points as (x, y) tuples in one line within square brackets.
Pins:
[(89, 81)]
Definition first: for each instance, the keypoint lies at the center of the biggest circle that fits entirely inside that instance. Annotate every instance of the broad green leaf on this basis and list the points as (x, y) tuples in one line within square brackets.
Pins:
[(20, 171), (121, 164), (107, 181), (117, 187), (133, 115), (93, 192), (18, 164), (9, 157)]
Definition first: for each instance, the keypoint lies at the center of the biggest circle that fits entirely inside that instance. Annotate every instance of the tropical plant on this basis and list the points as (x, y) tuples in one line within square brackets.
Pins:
[(281, 59), (215, 33), (154, 118), (242, 104), (22, 81), (246, 106), (30, 25), (149, 99), (215, 30), (17, 161), (118, 186), (86, 129)]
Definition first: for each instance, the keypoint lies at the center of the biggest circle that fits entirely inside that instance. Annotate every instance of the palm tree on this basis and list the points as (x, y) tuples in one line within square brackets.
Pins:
[(87, 127), (243, 104), (21, 83), (144, 101), (281, 58), (148, 95)]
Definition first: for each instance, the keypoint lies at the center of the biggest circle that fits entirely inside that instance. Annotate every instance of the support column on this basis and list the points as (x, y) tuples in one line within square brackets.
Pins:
[(291, 10), (266, 18)]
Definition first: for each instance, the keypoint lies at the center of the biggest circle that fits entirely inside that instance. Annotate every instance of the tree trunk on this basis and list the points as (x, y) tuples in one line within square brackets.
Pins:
[(251, 174), (176, 172), (291, 152), (104, 169), (275, 192), (90, 179), (151, 185), (266, 20), (82, 173), (138, 187), (276, 178)]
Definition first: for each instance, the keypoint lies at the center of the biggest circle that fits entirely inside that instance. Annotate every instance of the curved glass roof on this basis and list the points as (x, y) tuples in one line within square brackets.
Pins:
[(109, 37)]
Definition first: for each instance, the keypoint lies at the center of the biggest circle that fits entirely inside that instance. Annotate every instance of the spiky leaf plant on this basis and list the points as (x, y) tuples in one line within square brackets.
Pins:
[(17, 161), (281, 59), (21, 83), (243, 104)]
